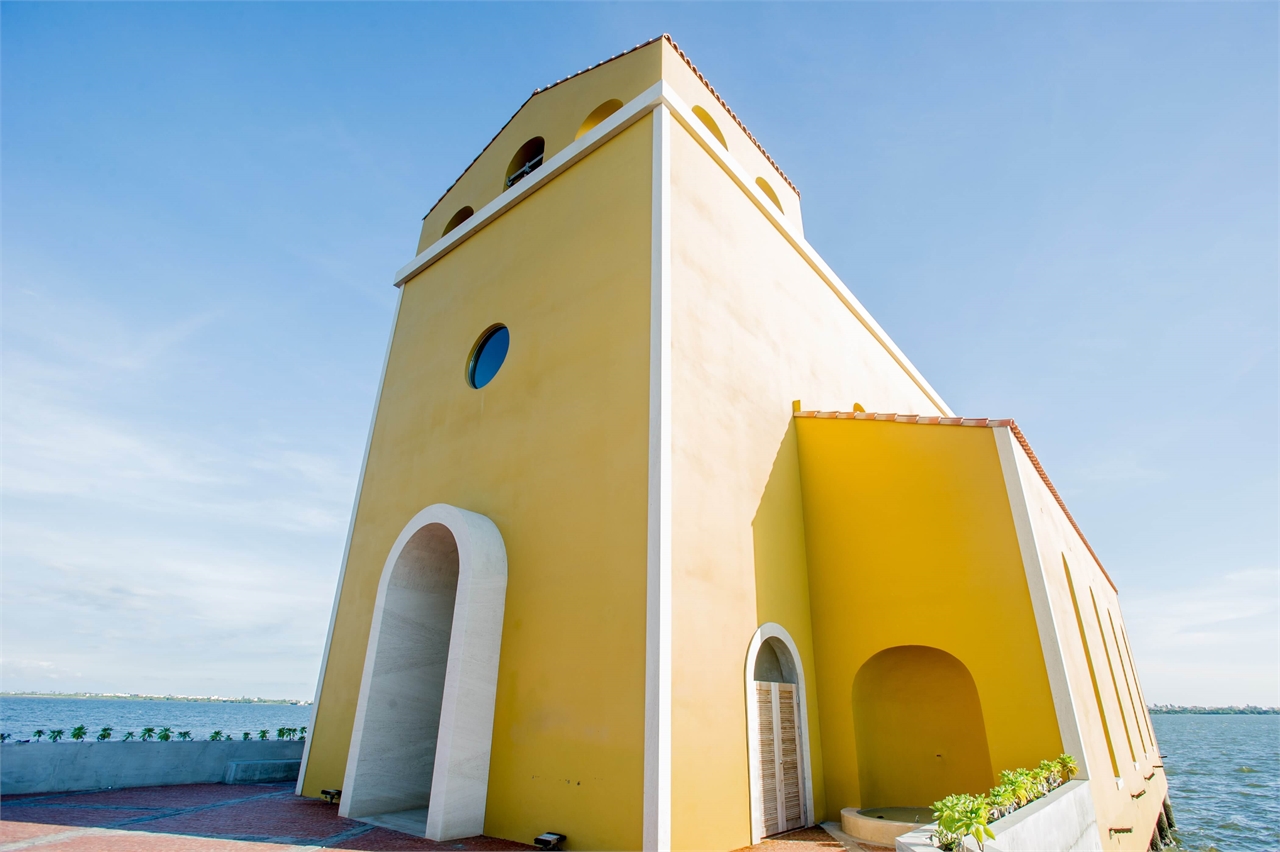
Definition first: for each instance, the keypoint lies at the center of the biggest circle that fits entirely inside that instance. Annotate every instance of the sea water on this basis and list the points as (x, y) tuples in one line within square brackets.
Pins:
[(20, 716), (1224, 780)]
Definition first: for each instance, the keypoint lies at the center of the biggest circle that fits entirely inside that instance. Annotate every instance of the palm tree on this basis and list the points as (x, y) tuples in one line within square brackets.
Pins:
[(128, 735), (216, 736), (282, 733), (105, 734), (246, 736), (184, 735), (148, 733), (302, 732), (264, 735), (165, 734), (38, 735), (79, 732), (56, 734)]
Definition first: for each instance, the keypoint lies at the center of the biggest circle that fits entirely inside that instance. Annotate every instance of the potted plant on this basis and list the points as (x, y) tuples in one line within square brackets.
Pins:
[(1002, 801), (1067, 768), (959, 816)]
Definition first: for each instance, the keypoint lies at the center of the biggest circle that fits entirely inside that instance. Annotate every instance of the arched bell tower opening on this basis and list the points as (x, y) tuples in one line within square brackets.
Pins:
[(781, 778), (419, 757)]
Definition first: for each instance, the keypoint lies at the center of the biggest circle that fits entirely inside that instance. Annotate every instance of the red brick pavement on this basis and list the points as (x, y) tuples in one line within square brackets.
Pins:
[(238, 818), (199, 818)]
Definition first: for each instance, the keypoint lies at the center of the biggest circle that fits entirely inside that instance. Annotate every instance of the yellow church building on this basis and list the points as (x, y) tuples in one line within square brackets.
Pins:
[(661, 543)]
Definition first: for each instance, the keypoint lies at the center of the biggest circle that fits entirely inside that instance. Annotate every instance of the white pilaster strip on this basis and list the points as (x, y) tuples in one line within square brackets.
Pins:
[(1037, 585), (657, 715), (346, 550)]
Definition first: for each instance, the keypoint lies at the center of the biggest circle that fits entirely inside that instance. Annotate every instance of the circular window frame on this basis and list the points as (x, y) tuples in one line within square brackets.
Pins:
[(469, 370)]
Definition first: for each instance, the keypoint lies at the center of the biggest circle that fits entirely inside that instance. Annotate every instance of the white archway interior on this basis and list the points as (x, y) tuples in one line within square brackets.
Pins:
[(423, 733), (771, 655)]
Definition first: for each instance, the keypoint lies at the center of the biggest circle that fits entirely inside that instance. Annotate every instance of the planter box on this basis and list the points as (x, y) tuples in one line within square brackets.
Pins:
[(1063, 821), (65, 767)]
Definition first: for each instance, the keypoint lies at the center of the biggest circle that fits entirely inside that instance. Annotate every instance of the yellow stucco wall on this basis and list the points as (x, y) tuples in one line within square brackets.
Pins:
[(1121, 727), (911, 541), (555, 452), (753, 327)]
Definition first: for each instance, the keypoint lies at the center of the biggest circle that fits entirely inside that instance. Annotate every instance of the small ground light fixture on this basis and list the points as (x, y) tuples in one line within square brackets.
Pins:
[(550, 840)]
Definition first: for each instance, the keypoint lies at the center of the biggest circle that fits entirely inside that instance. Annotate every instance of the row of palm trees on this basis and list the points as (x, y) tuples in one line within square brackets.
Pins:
[(165, 734)]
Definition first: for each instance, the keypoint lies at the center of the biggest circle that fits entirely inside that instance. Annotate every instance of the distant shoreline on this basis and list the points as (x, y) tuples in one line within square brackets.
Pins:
[(134, 696), (1180, 710)]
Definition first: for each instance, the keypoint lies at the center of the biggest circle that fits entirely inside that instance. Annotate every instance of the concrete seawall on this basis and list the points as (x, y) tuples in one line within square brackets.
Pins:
[(64, 767)]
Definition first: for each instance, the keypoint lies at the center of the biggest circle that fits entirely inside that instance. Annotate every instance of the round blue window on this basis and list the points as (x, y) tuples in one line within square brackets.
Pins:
[(487, 357)]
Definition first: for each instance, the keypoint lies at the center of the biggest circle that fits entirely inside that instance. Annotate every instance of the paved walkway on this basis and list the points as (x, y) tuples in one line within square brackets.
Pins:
[(238, 818)]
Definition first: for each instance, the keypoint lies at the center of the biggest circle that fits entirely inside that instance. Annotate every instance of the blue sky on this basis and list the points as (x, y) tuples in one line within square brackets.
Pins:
[(1063, 213)]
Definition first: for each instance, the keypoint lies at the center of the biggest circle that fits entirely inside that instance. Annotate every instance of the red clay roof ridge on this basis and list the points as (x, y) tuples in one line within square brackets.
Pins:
[(970, 421)]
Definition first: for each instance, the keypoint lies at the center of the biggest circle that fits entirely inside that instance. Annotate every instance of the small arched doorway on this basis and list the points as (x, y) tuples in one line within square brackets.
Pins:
[(919, 728), (781, 780), (420, 746)]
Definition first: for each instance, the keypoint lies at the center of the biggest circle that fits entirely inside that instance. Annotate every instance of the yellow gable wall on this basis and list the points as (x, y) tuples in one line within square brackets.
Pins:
[(911, 541), (753, 327), (555, 452), (1109, 707), (557, 113)]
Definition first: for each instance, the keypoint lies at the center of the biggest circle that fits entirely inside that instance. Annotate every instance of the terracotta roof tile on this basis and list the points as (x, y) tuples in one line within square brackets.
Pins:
[(965, 421)]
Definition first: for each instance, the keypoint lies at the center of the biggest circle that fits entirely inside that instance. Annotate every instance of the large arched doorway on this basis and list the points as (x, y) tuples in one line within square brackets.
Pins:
[(420, 746), (781, 780), (919, 728)]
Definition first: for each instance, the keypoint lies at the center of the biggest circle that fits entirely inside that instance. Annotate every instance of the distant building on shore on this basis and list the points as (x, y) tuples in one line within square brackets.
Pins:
[(662, 543)]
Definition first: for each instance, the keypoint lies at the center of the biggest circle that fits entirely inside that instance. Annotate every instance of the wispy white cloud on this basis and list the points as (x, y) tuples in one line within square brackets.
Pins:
[(151, 552), (1217, 638)]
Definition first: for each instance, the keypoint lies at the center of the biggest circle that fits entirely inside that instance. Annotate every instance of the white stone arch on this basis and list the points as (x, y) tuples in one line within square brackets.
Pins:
[(789, 658), (387, 767)]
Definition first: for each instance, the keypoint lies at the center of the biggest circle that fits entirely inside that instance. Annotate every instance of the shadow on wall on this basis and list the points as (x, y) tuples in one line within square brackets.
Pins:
[(777, 530), (919, 729)]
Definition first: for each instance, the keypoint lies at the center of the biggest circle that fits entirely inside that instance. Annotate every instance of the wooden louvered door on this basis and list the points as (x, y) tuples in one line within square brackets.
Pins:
[(781, 800)]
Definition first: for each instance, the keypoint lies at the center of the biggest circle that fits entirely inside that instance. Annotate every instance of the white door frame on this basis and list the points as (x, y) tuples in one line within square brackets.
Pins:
[(790, 667), (460, 777)]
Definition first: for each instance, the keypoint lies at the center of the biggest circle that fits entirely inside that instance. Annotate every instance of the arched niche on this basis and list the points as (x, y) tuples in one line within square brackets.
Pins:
[(423, 733), (598, 115), (919, 729), (458, 218), (772, 657), (710, 124), (769, 193), (526, 159)]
